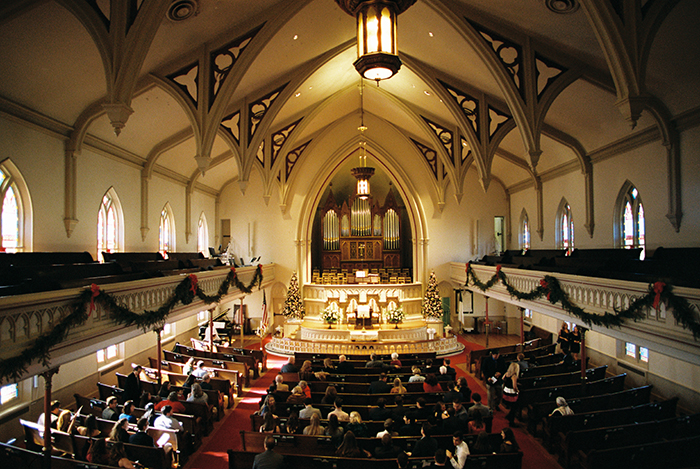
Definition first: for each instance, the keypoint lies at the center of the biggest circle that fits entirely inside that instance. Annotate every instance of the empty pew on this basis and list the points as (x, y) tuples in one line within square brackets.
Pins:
[(678, 453)]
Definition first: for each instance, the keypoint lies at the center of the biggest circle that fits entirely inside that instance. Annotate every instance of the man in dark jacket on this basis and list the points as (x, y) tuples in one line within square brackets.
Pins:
[(380, 386), (493, 368), (132, 388), (344, 366), (387, 450), (380, 412), (427, 445), (141, 437), (268, 459)]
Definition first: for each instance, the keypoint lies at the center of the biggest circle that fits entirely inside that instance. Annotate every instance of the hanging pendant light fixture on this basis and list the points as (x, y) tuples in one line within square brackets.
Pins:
[(377, 50), (362, 173)]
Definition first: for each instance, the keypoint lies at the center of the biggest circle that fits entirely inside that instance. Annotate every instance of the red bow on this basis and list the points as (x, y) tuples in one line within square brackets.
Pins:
[(95, 289), (498, 269), (658, 289), (466, 269), (543, 283), (193, 283)]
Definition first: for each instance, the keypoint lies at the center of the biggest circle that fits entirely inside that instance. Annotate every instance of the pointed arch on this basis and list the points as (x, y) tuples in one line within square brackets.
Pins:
[(628, 219), (564, 230), (16, 222), (110, 224), (166, 231), (203, 234), (524, 231)]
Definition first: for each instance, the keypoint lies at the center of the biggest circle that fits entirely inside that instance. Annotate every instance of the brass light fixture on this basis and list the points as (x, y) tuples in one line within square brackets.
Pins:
[(362, 173), (377, 49)]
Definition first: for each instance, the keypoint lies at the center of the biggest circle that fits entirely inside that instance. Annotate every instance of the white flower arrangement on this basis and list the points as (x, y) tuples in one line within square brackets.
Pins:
[(331, 314), (395, 316)]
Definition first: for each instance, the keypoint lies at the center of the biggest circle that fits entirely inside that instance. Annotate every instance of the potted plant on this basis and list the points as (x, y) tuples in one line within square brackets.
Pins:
[(395, 316), (331, 314)]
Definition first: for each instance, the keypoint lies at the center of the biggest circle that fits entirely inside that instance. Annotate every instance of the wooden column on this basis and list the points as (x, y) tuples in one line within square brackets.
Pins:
[(159, 348), (582, 355), (211, 329), (487, 323), (522, 329), (47, 375), (242, 321)]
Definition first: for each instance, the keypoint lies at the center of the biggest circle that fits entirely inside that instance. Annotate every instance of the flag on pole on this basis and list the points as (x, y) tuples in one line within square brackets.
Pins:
[(263, 324)]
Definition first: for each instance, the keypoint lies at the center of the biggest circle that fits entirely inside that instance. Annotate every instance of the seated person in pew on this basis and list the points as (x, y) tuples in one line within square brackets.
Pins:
[(269, 424), (388, 429), (460, 412), (334, 430), (380, 386), (279, 383), (173, 402), (562, 407), (427, 445), (395, 362), (349, 449), (314, 427), (478, 407), (88, 429), (459, 457), (189, 366), (416, 377), (55, 410), (198, 395), (292, 424), (450, 423), (164, 390), (451, 393), (127, 412), (421, 411), (448, 369), (110, 412), (402, 461), (398, 387), (120, 431), (387, 450), (328, 366), (374, 362), (269, 459), (440, 458), (97, 453), (399, 410), (462, 386), (482, 445), (141, 437), (297, 396), (410, 427), (338, 411), (199, 371), (305, 388), (307, 373), (166, 420), (380, 412), (431, 384), (309, 410), (344, 367), (269, 405), (477, 425), (289, 367), (330, 395), (508, 445), (357, 426)]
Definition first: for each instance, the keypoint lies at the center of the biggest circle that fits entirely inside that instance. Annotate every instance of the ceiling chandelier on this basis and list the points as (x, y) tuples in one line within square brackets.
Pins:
[(377, 49), (362, 173)]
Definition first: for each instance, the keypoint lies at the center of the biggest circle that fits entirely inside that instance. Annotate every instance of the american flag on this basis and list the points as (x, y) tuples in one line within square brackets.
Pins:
[(263, 324)]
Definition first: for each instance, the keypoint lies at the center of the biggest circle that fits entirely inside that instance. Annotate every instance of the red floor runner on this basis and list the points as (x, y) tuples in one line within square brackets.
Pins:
[(212, 454)]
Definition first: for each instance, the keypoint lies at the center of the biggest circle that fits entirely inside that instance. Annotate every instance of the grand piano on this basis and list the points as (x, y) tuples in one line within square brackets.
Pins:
[(225, 328)]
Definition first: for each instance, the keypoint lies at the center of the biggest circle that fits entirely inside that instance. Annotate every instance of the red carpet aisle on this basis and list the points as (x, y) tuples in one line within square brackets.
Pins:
[(212, 453), (534, 454)]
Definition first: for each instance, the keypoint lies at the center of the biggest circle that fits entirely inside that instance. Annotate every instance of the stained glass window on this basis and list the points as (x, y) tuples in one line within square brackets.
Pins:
[(202, 235), (631, 228), (166, 233), (565, 229), (525, 233), (15, 210), (108, 225)]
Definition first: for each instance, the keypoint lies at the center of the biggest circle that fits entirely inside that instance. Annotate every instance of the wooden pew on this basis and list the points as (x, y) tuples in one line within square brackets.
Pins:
[(369, 399), (228, 382), (240, 367), (16, 457), (678, 453), (248, 358), (421, 357), (552, 369), (592, 374), (629, 397), (557, 426), (578, 444), (244, 460)]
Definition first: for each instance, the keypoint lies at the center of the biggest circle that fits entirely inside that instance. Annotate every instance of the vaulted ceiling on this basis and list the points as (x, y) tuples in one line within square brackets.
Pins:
[(511, 87)]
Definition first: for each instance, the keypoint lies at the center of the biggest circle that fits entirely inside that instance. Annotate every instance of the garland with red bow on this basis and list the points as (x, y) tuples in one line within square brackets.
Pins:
[(550, 288), (185, 292)]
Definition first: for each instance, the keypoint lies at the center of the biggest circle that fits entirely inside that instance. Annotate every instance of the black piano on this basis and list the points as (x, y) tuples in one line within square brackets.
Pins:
[(226, 328)]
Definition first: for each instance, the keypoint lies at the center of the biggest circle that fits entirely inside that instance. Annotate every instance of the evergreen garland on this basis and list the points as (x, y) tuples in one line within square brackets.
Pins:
[(293, 306), (550, 288), (432, 304), (14, 367)]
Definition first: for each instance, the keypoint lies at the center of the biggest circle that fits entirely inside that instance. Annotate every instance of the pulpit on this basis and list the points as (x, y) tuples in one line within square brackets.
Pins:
[(363, 317)]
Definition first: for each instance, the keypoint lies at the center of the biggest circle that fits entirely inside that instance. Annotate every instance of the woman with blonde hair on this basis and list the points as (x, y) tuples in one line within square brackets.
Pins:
[(314, 427), (119, 431), (511, 391), (357, 426), (398, 387)]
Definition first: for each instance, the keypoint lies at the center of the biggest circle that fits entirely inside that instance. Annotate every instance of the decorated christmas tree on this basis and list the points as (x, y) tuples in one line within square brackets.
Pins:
[(293, 306), (432, 304)]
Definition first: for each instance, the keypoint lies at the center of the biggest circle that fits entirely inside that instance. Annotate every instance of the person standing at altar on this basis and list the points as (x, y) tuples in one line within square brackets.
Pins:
[(344, 367), (380, 386)]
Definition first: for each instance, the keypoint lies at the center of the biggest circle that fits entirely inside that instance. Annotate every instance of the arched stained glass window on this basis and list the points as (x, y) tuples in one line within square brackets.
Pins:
[(629, 228), (166, 233), (203, 235), (565, 227), (109, 226), (524, 231), (15, 210)]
